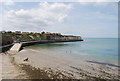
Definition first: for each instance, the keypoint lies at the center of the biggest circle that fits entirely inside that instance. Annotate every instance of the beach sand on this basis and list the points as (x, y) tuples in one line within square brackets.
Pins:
[(9, 69), (41, 65)]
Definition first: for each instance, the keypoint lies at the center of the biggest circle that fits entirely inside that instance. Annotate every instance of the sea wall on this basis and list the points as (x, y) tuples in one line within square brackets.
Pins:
[(45, 41), (7, 47)]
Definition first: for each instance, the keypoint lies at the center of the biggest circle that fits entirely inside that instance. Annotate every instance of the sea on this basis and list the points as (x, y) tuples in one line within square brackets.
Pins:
[(99, 50)]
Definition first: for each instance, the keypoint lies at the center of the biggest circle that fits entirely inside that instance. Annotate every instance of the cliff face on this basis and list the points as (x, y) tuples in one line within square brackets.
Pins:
[(8, 38), (62, 37), (24, 38)]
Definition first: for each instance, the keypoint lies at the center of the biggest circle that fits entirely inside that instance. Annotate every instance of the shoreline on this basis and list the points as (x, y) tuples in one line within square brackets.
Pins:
[(49, 67)]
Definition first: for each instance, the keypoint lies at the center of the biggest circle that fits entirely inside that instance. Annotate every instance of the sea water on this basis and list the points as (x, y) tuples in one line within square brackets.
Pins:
[(103, 50)]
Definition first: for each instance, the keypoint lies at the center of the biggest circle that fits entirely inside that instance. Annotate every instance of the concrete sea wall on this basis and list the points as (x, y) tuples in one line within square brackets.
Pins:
[(45, 41), (7, 47)]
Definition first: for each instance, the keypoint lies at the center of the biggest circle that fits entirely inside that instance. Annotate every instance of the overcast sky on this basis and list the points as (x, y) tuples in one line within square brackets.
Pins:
[(87, 19)]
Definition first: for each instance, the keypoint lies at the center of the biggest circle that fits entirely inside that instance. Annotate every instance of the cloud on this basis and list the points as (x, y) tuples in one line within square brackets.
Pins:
[(98, 0), (8, 2), (87, 21), (45, 15), (101, 3)]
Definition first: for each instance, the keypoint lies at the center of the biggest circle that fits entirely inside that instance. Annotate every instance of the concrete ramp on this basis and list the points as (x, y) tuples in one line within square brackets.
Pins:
[(16, 47)]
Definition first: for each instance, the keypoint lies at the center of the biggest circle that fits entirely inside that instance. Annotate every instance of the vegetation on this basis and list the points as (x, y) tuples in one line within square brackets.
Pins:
[(26, 36)]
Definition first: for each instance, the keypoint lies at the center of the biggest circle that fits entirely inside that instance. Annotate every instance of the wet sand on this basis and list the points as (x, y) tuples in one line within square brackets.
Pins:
[(47, 66)]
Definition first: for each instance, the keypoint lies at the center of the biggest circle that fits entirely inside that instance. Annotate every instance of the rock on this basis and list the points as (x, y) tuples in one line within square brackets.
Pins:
[(26, 59)]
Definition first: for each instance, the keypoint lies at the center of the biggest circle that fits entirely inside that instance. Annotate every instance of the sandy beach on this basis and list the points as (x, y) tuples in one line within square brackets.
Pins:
[(10, 70), (48, 66)]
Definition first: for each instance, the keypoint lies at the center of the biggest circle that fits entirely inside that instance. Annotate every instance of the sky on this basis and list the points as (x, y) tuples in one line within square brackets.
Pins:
[(87, 19)]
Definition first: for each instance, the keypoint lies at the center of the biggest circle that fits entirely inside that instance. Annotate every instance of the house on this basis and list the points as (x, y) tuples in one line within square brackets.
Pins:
[(18, 32), (52, 36), (25, 32)]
